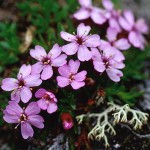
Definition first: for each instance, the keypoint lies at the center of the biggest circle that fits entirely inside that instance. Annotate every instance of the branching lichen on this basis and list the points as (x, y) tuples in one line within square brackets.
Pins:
[(102, 126), (137, 120)]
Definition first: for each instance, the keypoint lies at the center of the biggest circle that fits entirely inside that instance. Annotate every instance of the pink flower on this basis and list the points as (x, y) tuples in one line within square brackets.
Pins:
[(67, 121), (47, 100), (69, 75), (115, 44), (119, 44), (21, 86), (80, 42), (107, 61), (46, 61), (24, 117), (135, 29), (87, 10), (111, 14)]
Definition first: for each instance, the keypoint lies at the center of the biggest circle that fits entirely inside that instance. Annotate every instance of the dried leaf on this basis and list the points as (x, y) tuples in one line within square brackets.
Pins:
[(27, 39)]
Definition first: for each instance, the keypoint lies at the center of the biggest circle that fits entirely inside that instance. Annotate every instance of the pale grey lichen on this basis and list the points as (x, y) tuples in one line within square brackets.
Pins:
[(103, 126)]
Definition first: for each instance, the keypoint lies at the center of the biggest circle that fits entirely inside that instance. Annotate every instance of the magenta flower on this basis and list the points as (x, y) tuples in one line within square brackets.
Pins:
[(24, 117), (115, 44), (111, 14), (46, 61), (21, 86), (135, 29), (87, 10), (69, 75), (80, 42), (47, 100), (107, 61)]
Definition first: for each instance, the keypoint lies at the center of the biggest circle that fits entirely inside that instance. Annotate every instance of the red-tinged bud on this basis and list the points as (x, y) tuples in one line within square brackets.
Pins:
[(89, 81), (91, 102), (67, 121)]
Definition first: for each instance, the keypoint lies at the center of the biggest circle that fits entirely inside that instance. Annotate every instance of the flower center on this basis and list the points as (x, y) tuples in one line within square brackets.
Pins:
[(22, 118), (71, 77), (80, 41), (21, 83), (48, 98), (106, 62), (46, 61)]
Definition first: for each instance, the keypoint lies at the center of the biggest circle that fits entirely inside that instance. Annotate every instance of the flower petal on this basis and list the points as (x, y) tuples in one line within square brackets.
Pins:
[(33, 80), (107, 4), (55, 51), (59, 61), (76, 85), (111, 34), (36, 68), (47, 72), (64, 71), (26, 130), (99, 66), (42, 104), (134, 39), (9, 84), (118, 55), (70, 49), (96, 56), (129, 16), (86, 3), (67, 36), (32, 109), (15, 96), (98, 17), (142, 26), (26, 94), (80, 76), (84, 54), (24, 71), (38, 53), (114, 74), (14, 109), (62, 81), (114, 23), (11, 118), (36, 120), (92, 40), (40, 93), (122, 44), (124, 24), (83, 30), (104, 45), (82, 14), (52, 107), (74, 66)]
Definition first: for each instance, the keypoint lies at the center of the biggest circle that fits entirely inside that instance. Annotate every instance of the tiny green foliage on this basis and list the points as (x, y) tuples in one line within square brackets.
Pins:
[(9, 44)]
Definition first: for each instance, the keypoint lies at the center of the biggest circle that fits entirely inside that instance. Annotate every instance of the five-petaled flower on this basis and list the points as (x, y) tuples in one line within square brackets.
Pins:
[(120, 44), (135, 29), (47, 100), (107, 60), (46, 61), (69, 75), (80, 42), (87, 10), (111, 14), (21, 86), (24, 117)]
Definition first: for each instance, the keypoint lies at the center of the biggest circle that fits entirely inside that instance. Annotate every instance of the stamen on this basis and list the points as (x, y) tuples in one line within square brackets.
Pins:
[(17, 126)]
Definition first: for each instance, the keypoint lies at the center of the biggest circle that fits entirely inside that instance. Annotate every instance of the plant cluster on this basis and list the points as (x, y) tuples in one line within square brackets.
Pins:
[(65, 67)]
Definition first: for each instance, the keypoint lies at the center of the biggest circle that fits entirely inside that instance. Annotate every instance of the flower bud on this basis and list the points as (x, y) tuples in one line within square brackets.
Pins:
[(67, 121)]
